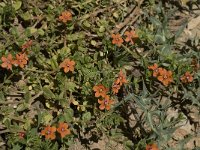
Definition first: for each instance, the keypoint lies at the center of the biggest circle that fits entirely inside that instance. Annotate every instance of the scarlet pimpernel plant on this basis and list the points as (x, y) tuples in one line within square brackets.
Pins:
[(74, 74), (100, 90), (117, 39), (49, 132), (67, 65), (21, 60), (7, 62), (187, 77), (131, 36), (65, 16), (63, 129)]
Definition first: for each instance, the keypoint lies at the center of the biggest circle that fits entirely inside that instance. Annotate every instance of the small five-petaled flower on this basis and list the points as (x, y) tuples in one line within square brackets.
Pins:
[(117, 39), (115, 87), (165, 77), (100, 90), (65, 16), (105, 103), (63, 129), (187, 77), (152, 147), (155, 69), (67, 65), (7, 62), (121, 78), (130, 36), (49, 132), (21, 60), (162, 74)]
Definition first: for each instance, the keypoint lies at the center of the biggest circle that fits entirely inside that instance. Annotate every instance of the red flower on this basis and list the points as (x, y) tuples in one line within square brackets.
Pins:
[(21, 60), (121, 78), (63, 129), (117, 39), (65, 16), (187, 77), (165, 76), (68, 65), (49, 132), (115, 87), (152, 147), (7, 62), (27, 45), (105, 103), (100, 90), (130, 36), (155, 69), (21, 135)]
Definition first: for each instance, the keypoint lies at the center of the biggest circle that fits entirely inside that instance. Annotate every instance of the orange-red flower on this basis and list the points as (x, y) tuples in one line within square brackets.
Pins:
[(165, 76), (21, 135), (65, 16), (105, 103), (63, 129), (68, 65), (152, 147), (187, 77), (115, 87), (7, 62), (121, 78), (27, 45), (21, 60), (49, 132), (155, 69), (117, 39), (130, 36), (100, 90)]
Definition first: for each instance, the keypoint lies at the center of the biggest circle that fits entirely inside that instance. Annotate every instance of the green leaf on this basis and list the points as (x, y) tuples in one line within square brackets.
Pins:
[(14, 31), (93, 42), (2, 97), (86, 24), (180, 30), (71, 86), (76, 36), (166, 50), (53, 62), (30, 31), (39, 118), (102, 29), (22, 107), (68, 115), (48, 93), (26, 16), (155, 21), (47, 118), (149, 116), (86, 116), (64, 51), (16, 147), (160, 38), (27, 96), (40, 32), (17, 5)]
